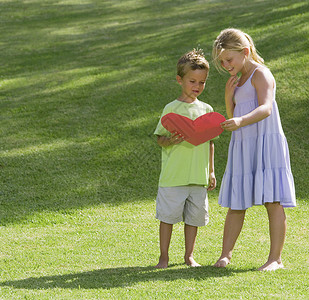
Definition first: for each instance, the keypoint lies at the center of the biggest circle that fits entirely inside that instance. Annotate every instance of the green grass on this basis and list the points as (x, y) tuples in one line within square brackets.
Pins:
[(82, 85)]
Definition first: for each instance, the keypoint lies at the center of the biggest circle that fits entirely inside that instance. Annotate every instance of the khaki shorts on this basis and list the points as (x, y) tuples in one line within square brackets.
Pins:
[(183, 203)]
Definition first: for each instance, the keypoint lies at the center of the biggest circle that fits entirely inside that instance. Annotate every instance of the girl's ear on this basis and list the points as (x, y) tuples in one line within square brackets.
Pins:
[(179, 79), (246, 52)]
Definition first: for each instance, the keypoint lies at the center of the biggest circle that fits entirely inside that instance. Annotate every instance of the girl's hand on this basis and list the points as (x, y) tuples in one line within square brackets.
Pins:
[(230, 86), (212, 182), (231, 124)]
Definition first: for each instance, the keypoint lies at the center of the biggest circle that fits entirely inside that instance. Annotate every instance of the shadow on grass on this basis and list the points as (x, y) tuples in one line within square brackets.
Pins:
[(119, 277), (82, 87)]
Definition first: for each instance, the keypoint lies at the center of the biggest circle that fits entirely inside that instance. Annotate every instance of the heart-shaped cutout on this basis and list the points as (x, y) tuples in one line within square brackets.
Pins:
[(201, 130)]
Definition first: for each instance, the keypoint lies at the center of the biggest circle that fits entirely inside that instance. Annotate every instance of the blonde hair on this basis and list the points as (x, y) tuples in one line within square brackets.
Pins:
[(235, 40), (193, 60)]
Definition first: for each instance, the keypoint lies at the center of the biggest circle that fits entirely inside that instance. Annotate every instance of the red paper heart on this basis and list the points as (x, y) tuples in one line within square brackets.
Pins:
[(201, 130)]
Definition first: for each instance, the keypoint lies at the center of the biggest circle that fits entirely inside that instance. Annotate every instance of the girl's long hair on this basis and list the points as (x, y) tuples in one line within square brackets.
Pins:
[(235, 40)]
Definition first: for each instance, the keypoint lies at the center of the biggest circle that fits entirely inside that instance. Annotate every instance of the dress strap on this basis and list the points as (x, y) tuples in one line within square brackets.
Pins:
[(253, 72)]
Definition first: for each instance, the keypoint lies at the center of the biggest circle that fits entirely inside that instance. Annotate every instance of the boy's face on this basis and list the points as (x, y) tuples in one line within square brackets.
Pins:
[(193, 84)]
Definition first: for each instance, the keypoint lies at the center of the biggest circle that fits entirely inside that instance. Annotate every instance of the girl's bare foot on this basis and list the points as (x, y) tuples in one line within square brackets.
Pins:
[(163, 263), (271, 266), (222, 262), (191, 262)]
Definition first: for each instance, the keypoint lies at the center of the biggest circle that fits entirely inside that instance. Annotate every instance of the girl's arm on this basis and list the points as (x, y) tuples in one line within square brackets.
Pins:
[(229, 95), (212, 177), (263, 82)]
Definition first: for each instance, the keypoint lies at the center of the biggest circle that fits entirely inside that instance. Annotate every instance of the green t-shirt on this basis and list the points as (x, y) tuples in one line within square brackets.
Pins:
[(184, 163)]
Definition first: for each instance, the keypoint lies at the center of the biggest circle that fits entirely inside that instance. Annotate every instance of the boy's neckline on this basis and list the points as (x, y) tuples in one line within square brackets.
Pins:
[(186, 101)]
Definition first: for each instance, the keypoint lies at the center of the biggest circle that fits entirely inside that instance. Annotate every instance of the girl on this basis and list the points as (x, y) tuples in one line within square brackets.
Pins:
[(258, 168)]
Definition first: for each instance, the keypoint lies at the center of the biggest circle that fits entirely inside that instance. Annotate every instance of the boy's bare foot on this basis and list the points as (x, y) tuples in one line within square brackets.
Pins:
[(191, 262), (163, 263), (271, 266), (222, 262)]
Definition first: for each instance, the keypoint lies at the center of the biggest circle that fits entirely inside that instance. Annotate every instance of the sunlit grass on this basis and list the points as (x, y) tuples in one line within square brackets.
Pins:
[(82, 85)]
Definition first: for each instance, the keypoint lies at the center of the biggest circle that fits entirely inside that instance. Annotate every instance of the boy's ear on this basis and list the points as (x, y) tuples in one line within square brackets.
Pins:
[(179, 79)]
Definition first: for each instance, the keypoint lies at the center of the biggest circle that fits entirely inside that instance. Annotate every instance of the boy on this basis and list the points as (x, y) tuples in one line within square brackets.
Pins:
[(186, 169)]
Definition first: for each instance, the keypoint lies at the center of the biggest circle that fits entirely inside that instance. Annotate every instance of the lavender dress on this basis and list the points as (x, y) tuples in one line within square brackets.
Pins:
[(258, 167)]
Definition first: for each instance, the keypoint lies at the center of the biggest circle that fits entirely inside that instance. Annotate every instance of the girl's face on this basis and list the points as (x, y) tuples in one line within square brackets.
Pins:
[(193, 84), (233, 61)]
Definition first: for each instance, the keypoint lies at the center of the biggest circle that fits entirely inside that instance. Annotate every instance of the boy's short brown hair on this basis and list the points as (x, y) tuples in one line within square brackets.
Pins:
[(193, 60)]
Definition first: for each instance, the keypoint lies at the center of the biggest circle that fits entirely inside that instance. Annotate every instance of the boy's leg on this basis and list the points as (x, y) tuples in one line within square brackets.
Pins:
[(190, 238), (277, 230), (233, 224), (165, 238)]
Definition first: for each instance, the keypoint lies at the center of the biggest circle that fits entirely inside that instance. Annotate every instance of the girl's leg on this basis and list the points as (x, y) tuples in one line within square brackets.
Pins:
[(190, 238), (277, 230), (165, 238), (233, 224)]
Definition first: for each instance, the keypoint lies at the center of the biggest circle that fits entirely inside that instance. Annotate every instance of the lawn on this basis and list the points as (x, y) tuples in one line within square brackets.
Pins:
[(82, 86)]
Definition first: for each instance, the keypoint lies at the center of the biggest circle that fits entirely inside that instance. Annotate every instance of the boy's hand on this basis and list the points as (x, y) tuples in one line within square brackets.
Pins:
[(212, 182), (176, 138)]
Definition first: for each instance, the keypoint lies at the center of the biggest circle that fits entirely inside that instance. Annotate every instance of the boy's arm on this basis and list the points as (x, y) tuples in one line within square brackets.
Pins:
[(174, 139), (212, 177)]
